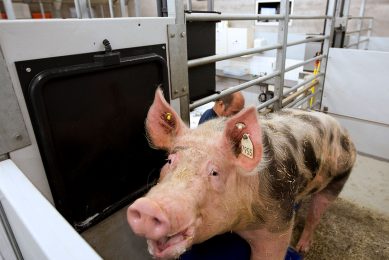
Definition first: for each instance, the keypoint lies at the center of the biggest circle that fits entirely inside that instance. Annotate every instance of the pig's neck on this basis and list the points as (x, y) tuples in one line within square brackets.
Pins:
[(267, 245)]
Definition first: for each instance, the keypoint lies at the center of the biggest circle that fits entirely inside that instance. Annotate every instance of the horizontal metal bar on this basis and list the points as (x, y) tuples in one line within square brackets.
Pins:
[(351, 44), (302, 99), (307, 97), (304, 17), (308, 80), (219, 57), (304, 62), (360, 17), (291, 97), (222, 17), (357, 31), (231, 90), (312, 39), (267, 103), (356, 43)]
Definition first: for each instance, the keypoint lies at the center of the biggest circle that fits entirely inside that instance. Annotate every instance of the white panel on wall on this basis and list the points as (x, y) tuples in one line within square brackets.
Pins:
[(378, 44), (237, 39), (356, 87), (221, 37), (357, 84)]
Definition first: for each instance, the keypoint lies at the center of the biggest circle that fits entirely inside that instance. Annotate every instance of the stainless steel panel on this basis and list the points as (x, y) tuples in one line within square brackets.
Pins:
[(13, 132)]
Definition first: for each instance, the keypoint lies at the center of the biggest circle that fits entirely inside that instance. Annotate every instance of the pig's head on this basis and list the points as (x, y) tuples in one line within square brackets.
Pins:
[(205, 184)]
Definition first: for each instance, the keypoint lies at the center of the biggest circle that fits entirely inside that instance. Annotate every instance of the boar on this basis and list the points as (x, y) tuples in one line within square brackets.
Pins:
[(242, 174)]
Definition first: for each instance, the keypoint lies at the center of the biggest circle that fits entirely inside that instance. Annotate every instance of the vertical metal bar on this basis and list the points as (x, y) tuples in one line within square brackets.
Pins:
[(210, 5), (57, 8), (189, 3), (110, 4), (360, 22), (9, 9), (329, 30), (123, 8), (178, 61), (78, 11), (345, 14), (369, 33), (176, 9), (137, 8), (281, 53), (90, 9), (159, 8), (101, 11), (42, 9)]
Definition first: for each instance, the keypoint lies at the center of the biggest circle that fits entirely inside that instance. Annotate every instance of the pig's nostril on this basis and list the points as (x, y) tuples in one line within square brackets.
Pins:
[(135, 214), (157, 221)]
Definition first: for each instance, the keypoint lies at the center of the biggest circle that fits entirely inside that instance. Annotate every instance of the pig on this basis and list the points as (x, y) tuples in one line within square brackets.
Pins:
[(242, 174)]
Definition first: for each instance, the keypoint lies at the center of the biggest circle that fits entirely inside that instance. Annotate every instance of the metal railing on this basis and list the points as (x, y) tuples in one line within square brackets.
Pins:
[(360, 19), (281, 46)]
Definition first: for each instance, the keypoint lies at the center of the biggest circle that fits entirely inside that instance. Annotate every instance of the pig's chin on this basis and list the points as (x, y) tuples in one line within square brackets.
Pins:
[(169, 247)]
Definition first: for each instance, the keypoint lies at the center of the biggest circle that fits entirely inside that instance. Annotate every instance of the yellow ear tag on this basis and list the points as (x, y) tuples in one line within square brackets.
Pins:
[(247, 146), (168, 116)]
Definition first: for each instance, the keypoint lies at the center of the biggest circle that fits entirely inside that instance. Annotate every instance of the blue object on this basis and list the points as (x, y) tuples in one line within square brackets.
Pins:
[(292, 254), (228, 246), (207, 115)]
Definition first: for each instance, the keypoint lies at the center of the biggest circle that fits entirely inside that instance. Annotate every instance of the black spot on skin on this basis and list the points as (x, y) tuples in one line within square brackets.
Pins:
[(314, 190), (341, 176), (331, 137), (344, 141), (284, 182), (267, 145), (310, 160), (309, 119), (287, 132), (336, 184)]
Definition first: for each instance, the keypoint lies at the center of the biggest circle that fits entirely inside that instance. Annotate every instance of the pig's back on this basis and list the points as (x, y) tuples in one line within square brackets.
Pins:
[(303, 151)]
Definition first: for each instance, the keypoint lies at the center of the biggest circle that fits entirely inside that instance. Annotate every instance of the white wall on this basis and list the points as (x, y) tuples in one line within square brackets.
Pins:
[(356, 88), (379, 43)]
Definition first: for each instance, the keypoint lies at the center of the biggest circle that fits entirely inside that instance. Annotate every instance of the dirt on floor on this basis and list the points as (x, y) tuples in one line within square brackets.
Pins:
[(346, 231)]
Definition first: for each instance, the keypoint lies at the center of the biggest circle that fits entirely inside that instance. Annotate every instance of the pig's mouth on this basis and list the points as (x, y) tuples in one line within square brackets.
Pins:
[(171, 246)]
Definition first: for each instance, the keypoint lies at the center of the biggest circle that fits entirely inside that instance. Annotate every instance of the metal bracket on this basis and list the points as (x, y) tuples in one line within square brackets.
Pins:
[(13, 132), (340, 22), (178, 60)]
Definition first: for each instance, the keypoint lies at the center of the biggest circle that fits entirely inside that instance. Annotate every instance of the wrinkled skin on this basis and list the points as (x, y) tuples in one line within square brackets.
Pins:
[(208, 186)]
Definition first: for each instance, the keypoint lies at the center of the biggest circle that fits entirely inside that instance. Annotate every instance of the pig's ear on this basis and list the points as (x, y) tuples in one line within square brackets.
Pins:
[(242, 139), (163, 124)]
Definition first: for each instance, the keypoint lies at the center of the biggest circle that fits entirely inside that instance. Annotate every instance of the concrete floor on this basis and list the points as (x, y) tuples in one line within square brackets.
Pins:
[(366, 187), (113, 239)]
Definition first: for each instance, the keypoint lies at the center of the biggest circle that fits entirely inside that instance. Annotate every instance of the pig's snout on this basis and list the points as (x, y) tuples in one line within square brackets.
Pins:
[(147, 219)]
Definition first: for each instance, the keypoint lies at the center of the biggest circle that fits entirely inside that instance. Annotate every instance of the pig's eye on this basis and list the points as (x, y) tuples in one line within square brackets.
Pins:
[(214, 173), (169, 161)]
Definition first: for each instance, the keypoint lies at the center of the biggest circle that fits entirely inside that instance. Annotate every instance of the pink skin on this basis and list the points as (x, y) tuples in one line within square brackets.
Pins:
[(200, 185), (320, 203)]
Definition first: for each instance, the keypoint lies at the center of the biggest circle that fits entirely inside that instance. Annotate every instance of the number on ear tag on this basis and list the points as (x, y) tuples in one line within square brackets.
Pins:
[(247, 146)]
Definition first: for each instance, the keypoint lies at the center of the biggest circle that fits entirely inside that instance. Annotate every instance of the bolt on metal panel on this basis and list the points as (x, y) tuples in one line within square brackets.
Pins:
[(13, 132)]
